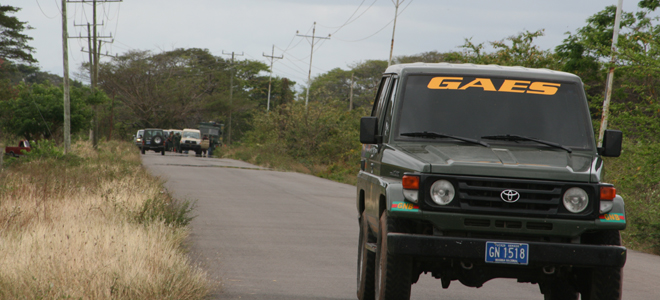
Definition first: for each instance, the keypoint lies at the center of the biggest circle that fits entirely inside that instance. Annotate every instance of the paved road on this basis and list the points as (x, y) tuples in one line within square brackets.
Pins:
[(278, 235)]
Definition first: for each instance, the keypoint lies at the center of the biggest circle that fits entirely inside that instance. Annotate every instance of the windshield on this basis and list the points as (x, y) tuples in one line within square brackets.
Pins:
[(191, 134), (472, 107)]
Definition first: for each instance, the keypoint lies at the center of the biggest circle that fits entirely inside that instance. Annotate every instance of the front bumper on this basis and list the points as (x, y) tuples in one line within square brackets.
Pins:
[(186, 146), (473, 249)]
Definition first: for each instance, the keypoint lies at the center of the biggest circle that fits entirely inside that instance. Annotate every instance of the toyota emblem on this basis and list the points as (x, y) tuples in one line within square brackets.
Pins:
[(510, 196)]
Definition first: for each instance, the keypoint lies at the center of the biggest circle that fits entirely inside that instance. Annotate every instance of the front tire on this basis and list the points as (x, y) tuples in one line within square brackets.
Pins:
[(602, 283), (393, 272), (366, 262)]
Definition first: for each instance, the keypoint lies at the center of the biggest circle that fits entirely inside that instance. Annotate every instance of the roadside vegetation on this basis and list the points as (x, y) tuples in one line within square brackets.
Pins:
[(322, 140), (92, 225)]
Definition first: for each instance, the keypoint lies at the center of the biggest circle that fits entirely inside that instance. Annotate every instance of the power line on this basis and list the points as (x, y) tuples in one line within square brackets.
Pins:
[(349, 18), (42, 11), (349, 21), (379, 30)]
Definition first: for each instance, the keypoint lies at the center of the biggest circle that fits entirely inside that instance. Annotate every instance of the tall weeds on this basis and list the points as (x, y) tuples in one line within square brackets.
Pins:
[(320, 139), (92, 225)]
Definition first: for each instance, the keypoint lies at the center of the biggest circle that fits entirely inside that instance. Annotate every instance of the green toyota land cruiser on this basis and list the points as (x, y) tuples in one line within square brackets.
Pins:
[(473, 172)]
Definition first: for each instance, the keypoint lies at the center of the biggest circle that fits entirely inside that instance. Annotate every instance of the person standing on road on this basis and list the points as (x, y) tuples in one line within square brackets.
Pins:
[(170, 141), (211, 146), (205, 140), (177, 143)]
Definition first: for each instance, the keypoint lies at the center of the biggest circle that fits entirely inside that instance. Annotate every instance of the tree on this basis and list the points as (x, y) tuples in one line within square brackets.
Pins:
[(16, 73), (431, 57), (335, 85), (36, 111), (161, 90), (516, 50), (13, 43), (636, 89), (182, 87)]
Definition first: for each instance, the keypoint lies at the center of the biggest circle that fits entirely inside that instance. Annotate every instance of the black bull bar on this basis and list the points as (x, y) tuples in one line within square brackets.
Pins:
[(540, 253)]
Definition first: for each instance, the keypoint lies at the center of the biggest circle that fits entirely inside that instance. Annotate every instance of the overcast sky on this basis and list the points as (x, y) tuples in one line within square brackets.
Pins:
[(252, 27)]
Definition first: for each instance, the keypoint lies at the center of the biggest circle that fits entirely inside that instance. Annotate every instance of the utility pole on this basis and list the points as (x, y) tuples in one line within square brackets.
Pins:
[(231, 92), (309, 76), (65, 61), (396, 13), (95, 49), (270, 81), (610, 76), (350, 102)]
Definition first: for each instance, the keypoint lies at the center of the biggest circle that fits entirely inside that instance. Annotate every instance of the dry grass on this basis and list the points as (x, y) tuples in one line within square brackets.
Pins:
[(72, 228)]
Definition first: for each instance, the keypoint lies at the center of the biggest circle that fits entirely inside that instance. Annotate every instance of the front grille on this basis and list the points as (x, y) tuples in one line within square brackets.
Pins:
[(539, 226), (484, 195), (476, 223), (508, 224)]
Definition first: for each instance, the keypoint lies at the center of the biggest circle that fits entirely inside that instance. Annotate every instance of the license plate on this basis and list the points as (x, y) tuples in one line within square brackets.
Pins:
[(507, 253), (148, 142)]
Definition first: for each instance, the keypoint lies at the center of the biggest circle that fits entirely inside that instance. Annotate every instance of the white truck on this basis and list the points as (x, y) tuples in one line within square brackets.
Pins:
[(191, 139)]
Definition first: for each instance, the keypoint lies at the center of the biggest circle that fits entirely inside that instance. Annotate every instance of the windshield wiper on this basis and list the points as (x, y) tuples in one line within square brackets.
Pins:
[(513, 137), (426, 134)]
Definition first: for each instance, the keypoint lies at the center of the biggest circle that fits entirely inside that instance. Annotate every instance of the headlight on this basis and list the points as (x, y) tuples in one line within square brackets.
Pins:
[(442, 192), (576, 200)]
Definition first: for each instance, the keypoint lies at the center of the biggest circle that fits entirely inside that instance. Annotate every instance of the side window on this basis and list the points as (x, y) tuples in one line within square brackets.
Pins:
[(389, 106), (380, 97)]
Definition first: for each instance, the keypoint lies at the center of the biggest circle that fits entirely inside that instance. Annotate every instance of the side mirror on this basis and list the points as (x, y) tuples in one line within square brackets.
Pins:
[(612, 140), (369, 130)]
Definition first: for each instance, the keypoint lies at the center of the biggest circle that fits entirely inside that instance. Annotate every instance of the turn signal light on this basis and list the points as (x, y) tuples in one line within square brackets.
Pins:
[(410, 182), (607, 193)]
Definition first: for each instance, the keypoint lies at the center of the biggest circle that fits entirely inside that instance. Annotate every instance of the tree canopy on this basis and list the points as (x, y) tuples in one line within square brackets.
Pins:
[(13, 42), (35, 111)]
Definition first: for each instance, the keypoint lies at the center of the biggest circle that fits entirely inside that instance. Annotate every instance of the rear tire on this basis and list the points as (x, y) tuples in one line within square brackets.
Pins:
[(366, 263), (142, 150), (602, 283), (162, 152), (393, 272)]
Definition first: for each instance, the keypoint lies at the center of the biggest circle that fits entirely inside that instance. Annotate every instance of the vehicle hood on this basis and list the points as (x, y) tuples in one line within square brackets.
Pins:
[(513, 162)]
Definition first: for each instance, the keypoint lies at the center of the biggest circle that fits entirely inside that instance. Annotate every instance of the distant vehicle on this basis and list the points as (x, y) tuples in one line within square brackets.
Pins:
[(213, 130), (23, 145), (137, 138), (191, 139), (153, 139)]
